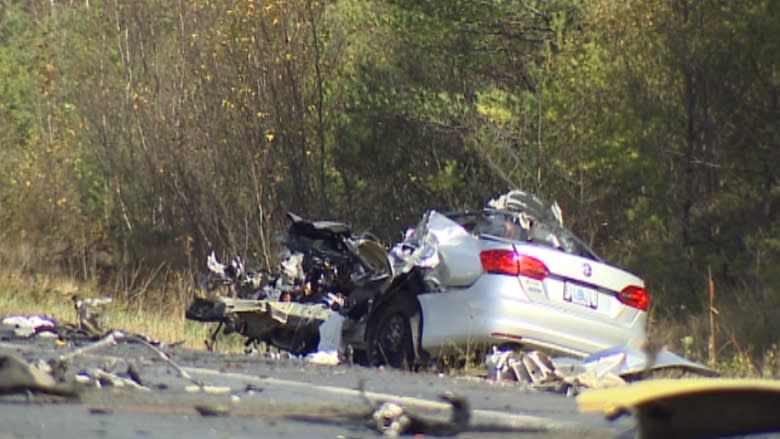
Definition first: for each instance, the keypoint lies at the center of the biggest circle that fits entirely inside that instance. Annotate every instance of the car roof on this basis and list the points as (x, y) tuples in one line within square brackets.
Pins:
[(475, 222)]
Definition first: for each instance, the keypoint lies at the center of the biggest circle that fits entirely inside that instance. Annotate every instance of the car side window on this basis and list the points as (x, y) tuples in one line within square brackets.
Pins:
[(501, 225), (514, 230)]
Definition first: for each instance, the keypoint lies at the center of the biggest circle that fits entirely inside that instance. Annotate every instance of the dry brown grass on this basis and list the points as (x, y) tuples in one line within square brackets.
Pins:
[(50, 295), (747, 340), (747, 344), (149, 300)]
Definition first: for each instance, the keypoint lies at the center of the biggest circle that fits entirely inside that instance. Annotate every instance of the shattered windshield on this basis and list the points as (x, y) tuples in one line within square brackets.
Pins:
[(520, 227)]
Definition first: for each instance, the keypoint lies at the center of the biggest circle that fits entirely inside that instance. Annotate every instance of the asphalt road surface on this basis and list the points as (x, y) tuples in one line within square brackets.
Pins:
[(207, 395)]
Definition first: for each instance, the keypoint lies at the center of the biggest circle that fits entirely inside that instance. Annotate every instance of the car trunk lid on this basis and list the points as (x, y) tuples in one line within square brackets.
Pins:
[(581, 285)]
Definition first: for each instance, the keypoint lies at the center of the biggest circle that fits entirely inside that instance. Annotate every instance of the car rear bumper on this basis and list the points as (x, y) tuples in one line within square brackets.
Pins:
[(496, 311)]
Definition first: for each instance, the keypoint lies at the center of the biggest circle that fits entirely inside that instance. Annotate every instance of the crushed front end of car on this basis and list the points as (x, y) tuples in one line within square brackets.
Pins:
[(326, 270)]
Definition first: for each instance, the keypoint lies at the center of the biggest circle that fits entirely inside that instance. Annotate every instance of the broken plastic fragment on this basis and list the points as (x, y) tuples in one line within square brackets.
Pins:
[(213, 390), (17, 376), (392, 420), (212, 410), (633, 358), (29, 322)]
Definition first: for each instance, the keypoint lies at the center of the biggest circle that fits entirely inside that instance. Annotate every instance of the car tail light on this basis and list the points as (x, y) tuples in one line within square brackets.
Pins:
[(635, 297), (512, 263)]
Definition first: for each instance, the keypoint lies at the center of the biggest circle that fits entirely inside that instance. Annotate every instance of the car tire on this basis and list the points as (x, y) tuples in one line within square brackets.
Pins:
[(389, 339)]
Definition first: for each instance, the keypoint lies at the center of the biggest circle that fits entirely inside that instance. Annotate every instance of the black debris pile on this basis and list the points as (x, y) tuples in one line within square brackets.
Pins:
[(325, 272), (323, 262)]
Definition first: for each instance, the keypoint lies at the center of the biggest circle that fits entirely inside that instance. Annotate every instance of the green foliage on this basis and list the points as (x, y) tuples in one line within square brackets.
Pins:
[(166, 129), (17, 107)]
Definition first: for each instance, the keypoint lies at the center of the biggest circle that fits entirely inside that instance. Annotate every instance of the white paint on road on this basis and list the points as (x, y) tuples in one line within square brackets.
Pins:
[(479, 416)]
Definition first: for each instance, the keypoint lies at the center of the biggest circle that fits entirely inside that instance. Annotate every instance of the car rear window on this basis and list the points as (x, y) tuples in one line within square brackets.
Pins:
[(508, 225)]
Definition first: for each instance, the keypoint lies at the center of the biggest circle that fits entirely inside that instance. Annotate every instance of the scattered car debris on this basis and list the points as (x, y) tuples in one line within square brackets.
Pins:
[(19, 377), (134, 374), (392, 419), (90, 316), (117, 336), (110, 339), (16, 376), (101, 378), (28, 326), (691, 408), (213, 390), (212, 410), (91, 323), (537, 370), (612, 368), (531, 367), (635, 358)]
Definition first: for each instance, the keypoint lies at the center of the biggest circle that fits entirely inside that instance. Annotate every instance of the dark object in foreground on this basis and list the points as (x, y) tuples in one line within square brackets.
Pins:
[(694, 408), (212, 410), (18, 377), (392, 419)]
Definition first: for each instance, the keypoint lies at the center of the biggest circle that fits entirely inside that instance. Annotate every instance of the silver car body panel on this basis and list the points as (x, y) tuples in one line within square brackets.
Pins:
[(574, 310), (631, 359), (490, 312), (458, 252)]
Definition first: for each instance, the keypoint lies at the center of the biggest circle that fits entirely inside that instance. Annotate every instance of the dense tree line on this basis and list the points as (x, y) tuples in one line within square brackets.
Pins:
[(155, 130)]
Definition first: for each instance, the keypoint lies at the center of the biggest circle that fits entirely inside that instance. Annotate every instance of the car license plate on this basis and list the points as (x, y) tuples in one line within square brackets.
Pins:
[(580, 295)]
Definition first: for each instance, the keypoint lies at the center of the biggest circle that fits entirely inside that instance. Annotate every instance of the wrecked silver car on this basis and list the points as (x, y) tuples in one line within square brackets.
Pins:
[(512, 274), (508, 275)]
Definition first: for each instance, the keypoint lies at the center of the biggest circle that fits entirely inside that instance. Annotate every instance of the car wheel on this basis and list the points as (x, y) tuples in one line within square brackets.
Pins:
[(390, 339)]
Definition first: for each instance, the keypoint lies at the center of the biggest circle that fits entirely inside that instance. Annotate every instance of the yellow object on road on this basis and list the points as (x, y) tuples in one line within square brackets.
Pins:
[(691, 408)]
